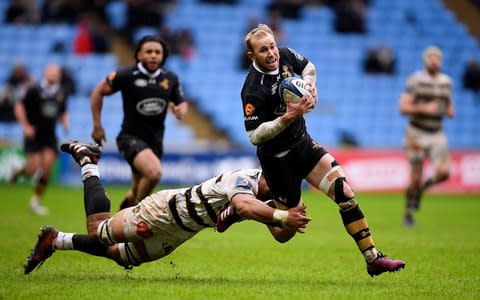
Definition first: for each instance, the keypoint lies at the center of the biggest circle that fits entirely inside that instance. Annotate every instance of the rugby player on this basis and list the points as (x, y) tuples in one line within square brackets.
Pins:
[(286, 151), (38, 112), (162, 221), (426, 100), (148, 90)]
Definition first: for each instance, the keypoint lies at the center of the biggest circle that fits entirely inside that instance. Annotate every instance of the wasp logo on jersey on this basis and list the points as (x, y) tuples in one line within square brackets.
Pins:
[(286, 73), (164, 84), (249, 109)]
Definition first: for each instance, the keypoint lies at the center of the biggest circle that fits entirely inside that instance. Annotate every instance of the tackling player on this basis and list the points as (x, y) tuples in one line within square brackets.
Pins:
[(163, 221), (148, 90), (286, 151), (426, 100)]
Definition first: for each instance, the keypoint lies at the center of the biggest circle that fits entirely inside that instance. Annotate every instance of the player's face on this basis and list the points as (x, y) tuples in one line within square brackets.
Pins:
[(433, 63), (265, 52), (151, 55), (52, 74)]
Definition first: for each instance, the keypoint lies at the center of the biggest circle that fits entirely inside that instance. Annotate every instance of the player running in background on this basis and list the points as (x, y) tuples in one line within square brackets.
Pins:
[(286, 151), (426, 100), (148, 90), (38, 112), (163, 221)]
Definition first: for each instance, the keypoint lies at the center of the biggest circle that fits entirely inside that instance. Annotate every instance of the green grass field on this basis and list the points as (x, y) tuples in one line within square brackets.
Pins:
[(442, 254)]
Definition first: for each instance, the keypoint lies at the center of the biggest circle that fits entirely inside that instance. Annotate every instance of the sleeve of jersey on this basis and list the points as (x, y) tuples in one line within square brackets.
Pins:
[(410, 84), (253, 112), (297, 60), (177, 92), (239, 185), (116, 79)]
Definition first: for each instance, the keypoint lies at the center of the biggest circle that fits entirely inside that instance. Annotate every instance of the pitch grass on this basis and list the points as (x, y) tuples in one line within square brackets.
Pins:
[(442, 254)]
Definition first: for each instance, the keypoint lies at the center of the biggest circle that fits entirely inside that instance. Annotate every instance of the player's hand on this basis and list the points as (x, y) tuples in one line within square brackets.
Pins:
[(431, 108), (29, 131), (179, 110), (98, 135), (297, 219)]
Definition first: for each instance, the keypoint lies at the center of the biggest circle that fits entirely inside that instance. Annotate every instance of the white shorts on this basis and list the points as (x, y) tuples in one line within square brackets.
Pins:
[(420, 143), (151, 222)]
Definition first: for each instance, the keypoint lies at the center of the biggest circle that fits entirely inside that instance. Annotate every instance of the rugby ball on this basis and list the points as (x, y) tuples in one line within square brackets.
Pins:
[(294, 88)]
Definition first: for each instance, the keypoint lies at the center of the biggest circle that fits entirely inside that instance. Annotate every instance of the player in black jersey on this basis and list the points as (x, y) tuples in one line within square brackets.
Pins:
[(38, 112), (148, 90), (286, 151)]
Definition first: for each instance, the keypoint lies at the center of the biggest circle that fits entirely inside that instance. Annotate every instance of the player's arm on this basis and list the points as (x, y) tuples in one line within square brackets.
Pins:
[(65, 120), (309, 74), (96, 104), (450, 111), (283, 224), (270, 129), (21, 116)]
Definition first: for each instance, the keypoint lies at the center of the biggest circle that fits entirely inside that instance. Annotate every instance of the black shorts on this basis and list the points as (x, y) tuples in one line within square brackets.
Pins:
[(130, 145), (39, 142), (284, 175)]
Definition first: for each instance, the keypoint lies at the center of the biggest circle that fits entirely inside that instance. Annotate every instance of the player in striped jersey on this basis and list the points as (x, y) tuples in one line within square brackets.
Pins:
[(162, 221), (426, 100)]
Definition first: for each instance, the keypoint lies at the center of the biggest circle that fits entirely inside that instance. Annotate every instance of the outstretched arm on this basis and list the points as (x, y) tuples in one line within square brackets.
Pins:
[(283, 224), (96, 103)]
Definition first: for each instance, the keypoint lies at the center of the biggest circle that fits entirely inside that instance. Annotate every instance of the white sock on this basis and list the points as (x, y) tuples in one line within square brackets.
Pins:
[(370, 255), (63, 241), (34, 200), (89, 170)]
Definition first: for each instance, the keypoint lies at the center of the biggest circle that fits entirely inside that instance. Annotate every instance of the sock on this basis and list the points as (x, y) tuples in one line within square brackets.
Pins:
[(35, 200), (63, 241), (94, 197), (356, 225), (82, 242), (89, 170)]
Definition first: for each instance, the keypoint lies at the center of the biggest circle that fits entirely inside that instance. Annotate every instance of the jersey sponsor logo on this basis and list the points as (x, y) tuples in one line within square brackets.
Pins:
[(143, 230), (112, 75), (140, 82), (164, 84), (243, 184), (249, 109), (151, 106), (251, 118)]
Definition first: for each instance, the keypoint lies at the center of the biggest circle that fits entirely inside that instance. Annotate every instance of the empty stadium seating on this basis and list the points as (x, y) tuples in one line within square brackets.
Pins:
[(365, 106)]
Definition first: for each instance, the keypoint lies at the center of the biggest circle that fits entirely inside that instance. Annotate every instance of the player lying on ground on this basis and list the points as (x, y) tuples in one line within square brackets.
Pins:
[(164, 220)]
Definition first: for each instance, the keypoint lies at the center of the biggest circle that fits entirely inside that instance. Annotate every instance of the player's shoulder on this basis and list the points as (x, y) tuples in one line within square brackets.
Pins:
[(244, 178), (169, 74), (445, 78)]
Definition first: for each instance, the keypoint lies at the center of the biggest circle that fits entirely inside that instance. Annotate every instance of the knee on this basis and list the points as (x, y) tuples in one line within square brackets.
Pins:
[(113, 253), (154, 174)]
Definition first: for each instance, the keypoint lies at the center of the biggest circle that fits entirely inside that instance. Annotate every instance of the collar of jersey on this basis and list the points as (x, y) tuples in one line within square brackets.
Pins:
[(144, 71), (275, 72), (49, 88)]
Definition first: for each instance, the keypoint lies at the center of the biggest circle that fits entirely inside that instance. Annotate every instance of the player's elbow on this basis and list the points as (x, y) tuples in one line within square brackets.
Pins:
[(254, 139)]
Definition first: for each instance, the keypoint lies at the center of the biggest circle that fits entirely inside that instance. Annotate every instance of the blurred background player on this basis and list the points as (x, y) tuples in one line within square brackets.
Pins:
[(148, 90), (44, 103), (286, 151), (147, 232), (426, 100)]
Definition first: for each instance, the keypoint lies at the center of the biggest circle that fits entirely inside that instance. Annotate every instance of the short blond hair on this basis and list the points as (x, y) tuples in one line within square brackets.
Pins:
[(261, 29), (432, 50)]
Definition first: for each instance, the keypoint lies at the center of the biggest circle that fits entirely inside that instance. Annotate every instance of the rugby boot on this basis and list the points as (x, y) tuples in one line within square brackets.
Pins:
[(43, 248), (383, 264), (226, 218), (82, 153), (408, 221)]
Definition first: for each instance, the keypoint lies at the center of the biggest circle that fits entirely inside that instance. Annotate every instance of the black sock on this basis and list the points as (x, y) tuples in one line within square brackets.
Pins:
[(94, 196), (82, 242)]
